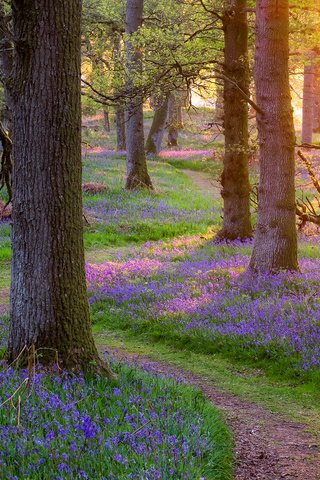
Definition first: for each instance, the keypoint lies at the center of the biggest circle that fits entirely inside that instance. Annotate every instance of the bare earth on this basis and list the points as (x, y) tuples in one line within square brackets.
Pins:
[(267, 446)]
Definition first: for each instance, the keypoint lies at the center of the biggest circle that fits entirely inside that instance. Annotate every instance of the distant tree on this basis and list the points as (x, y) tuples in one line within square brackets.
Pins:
[(308, 98), (235, 177), (275, 246), (137, 171), (175, 121), (49, 308), (156, 133)]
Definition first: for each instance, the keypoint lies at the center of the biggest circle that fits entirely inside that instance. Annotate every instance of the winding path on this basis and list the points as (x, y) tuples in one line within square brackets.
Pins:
[(267, 446)]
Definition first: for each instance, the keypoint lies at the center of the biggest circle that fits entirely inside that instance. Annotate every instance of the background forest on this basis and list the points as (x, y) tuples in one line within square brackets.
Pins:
[(159, 239)]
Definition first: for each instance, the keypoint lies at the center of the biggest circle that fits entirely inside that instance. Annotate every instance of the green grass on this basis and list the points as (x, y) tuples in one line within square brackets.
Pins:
[(129, 225), (275, 364), (207, 165), (5, 275), (5, 243), (296, 402), (69, 425)]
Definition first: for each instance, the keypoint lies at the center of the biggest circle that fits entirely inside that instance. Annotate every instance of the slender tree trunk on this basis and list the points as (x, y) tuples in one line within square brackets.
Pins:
[(156, 133), (275, 246), (120, 128), (174, 119), (219, 103), (308, 101), (235, 177), (49, 307), (316, 108), (106, 120), (137, 172), (6, 64)]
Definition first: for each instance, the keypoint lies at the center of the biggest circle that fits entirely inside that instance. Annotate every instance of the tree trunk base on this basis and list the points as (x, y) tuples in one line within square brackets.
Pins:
[(135, 181), (224, 235), (54, 361)]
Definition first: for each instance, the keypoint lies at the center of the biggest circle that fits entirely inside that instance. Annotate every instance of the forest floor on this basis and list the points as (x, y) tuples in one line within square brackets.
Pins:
[(266, 445), (275, 423)]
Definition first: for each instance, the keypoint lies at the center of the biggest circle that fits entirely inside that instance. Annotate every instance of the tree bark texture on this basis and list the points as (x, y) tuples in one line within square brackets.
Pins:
[(156, 133), (6, 62), (137, 171), (316, 107), (175, 121), (308, 101), (275, 246), (49, 307), (235, 177), (120, 128), (106, 121)]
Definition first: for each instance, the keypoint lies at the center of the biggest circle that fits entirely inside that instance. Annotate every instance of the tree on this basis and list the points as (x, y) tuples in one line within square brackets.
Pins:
[(308, 99), (49, 307), (235, 177), (156, 133), (275, 245), (137, 172)]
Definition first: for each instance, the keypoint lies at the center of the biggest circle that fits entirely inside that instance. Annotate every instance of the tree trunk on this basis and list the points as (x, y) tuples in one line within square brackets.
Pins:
[(316, 107), (156, 133), (308, 101), (275, 246), (106, 121), (219, 103), (235, 177), (120, 128), (137, 172), (174, 120), (49, 308)]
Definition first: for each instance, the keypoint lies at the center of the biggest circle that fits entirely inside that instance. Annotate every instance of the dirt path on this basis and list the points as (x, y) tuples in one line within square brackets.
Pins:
[(204, 182), (267, 447)]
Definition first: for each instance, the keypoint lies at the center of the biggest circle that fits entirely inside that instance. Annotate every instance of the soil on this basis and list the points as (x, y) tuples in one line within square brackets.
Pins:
[(267, 446)]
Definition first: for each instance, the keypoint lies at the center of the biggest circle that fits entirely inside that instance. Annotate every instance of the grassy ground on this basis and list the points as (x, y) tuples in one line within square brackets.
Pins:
[(86, 427), (160, 287), (300, 403), (122, 218)]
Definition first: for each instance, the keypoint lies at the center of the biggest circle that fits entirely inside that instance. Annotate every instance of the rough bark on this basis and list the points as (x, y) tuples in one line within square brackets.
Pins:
[(308, 101), (49, 311), (275, 246), (156, 133), (120, 128), (235, 177), (137, 171)]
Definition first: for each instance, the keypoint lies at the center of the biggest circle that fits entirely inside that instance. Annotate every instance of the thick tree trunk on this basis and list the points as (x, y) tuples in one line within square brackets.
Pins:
[(235, 177), (275, 246), (137, 172), (156, 133), (49, 307), (308, 101), (120, 128)]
